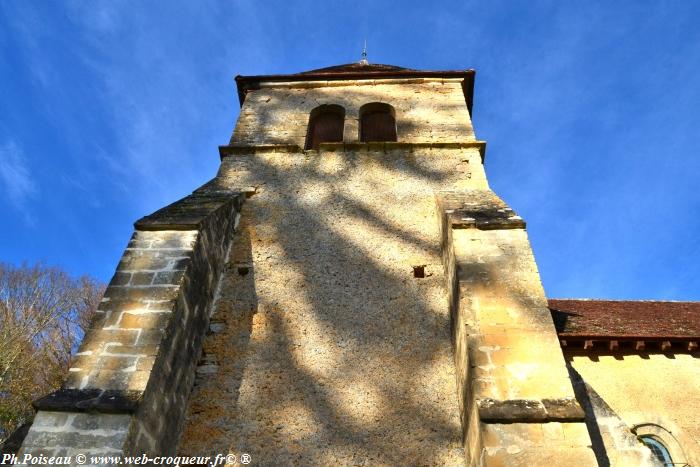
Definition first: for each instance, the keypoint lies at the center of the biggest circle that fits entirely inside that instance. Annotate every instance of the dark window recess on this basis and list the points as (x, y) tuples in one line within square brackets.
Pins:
[(377, 123), (325, 126)]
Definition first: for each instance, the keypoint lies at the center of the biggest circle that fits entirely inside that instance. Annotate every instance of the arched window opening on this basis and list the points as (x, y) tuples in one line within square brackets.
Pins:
[(665, 447), (326, 124), (377, 122), (659, 452)]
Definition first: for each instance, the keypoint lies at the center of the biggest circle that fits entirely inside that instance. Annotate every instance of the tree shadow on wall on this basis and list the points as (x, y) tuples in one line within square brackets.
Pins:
[(328, 350)]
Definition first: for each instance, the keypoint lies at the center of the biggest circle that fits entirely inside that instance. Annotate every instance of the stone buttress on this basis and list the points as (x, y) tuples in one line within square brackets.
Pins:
[(129, 382), (516, 398)]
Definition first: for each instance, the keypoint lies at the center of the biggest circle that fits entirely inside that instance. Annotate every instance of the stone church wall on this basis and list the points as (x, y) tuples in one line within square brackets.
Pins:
[(646, 391), (325, 349), (427, 110)]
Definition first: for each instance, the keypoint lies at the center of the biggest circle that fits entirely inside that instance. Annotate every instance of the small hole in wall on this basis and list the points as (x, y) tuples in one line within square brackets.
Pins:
[(419, 271), (242, 271)]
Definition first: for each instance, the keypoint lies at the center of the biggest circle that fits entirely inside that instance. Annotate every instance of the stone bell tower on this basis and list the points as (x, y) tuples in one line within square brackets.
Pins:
[(347, 290)]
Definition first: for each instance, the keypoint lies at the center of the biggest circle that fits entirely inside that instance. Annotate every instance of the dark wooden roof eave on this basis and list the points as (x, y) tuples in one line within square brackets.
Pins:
[(580, 344), (249, 83), (627, 337)]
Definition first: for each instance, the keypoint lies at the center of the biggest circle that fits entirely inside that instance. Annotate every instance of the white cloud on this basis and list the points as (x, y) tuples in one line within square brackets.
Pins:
[(16, 181)]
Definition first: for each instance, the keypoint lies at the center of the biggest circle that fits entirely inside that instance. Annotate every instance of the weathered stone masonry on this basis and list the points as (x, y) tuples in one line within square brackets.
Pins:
[(137, 360), (516, 397), (346, 355)]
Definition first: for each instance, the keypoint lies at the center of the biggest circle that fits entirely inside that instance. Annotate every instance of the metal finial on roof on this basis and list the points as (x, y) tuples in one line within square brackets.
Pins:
[(363, 60)]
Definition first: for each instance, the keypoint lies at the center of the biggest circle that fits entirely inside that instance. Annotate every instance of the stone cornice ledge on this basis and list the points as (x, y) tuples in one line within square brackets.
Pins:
[(90, 400), (480, 209), (235, 149), (530, 410)]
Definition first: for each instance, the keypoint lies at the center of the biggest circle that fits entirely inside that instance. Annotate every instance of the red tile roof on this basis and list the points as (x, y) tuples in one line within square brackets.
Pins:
[(625, 319)]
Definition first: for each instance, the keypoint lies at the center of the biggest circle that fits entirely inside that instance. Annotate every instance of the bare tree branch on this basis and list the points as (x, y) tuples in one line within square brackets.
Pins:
[(43, 315)]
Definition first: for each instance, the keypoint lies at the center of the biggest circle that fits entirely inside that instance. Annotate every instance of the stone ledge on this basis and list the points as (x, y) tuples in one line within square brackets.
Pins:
[(529, 410), (480, 209), (90, 400), (237, 149), (189, 212), (484, 221)]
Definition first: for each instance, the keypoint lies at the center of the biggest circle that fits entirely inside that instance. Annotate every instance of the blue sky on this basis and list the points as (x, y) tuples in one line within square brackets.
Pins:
[(111, 110)]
